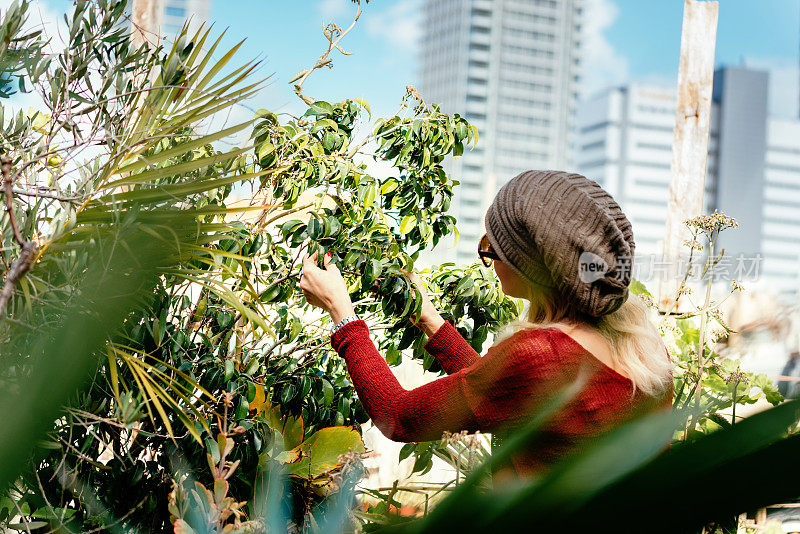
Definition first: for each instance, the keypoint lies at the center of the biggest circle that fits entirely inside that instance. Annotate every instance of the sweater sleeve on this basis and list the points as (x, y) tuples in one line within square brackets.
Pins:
[(419, 414), (450, 349)]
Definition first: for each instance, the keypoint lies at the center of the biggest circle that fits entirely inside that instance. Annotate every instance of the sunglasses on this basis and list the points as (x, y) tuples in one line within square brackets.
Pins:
[(485, 252)]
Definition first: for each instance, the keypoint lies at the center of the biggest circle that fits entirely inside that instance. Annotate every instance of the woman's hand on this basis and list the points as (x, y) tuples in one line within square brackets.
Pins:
[(429, 319), (325, 288)]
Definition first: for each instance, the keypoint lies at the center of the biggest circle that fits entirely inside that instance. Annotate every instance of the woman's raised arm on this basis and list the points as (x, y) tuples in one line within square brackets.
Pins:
[(450, 349), (445, 344), (419, 414)]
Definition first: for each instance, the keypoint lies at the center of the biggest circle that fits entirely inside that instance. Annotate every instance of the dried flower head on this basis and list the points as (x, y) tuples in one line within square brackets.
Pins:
[(647, 300), (412, 94), (716, 222), (736, 285), (737, 377), (449, 438), (715, 334)]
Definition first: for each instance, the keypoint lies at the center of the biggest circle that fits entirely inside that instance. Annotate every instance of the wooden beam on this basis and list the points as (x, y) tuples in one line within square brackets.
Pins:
[(144, 20), (690, 145)]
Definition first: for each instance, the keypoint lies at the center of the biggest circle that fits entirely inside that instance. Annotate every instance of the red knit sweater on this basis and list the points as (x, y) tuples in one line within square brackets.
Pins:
[(493, 393)]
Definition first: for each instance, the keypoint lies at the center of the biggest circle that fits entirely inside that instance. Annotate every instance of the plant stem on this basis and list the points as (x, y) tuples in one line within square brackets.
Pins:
[(703, 320)]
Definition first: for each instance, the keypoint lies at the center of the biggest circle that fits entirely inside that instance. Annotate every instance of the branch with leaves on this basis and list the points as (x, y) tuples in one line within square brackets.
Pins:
[(22, 264)]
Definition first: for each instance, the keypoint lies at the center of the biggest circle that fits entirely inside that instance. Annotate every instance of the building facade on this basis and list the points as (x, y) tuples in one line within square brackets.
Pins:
[(624, 142), (174, 13), (512, 68)]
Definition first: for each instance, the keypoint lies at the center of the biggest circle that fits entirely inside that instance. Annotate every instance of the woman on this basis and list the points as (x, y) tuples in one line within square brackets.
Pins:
[(562, 243)]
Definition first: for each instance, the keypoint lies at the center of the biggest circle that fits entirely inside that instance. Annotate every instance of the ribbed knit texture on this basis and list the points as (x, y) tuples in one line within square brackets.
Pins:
[(494, 393), (541, 222)]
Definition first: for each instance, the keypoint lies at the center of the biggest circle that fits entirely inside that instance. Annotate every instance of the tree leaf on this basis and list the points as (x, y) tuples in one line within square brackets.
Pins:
[(323, 449), (407, 224)]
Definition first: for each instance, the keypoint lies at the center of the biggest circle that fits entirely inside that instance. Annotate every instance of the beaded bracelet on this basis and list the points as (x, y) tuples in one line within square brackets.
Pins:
[(348, 319)]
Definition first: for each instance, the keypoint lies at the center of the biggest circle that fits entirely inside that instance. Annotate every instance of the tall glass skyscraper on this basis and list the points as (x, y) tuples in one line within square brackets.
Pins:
[(512, 67)]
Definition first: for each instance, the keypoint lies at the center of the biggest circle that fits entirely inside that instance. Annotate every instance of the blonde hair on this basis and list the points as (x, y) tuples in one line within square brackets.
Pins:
[(636, 346)]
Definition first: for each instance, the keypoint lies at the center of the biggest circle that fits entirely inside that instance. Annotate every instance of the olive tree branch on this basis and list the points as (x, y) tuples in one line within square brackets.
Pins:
[(8, 182), (23, 263), (41, 194)]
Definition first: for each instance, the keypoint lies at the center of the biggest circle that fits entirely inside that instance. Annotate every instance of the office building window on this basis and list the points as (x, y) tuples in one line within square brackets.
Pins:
[(528, 51), (519, 101), (526, 68), (521, 119), (533, 86), (173, 11), (595, 145), (528, 34)]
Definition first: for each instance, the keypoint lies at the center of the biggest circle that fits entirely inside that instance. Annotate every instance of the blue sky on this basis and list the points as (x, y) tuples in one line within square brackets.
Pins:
[(628, 41), (632, 40)]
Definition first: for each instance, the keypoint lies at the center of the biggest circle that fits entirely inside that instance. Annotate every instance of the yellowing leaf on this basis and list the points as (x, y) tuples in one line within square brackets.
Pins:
[(475, 135), (369, 197), (265, 150), (291, 428), (259, 403), (323, 449), (289, 457), (41, 121), (407, 224), (389, 186), (363, 105)]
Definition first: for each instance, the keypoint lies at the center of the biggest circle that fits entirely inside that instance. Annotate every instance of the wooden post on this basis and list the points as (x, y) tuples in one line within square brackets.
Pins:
[(690, 145), (144, 20), (761, 517)]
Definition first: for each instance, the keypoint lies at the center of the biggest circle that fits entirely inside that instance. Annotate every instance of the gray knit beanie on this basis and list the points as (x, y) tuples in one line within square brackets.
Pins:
[(563, 231)]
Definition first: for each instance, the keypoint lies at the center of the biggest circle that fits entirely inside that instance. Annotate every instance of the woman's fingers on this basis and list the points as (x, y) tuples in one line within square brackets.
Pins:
[(411, 276), (415, 280), (325, 287), (328, 265), (310, 259)]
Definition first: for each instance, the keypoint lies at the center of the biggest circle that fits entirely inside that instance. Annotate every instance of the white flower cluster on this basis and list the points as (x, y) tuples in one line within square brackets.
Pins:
[(715, 333), (670, 333)]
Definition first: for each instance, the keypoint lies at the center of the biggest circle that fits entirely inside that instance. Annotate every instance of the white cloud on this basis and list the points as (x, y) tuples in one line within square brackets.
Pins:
[(784, 84), (603, 66), (398, 24), (331, 9)]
